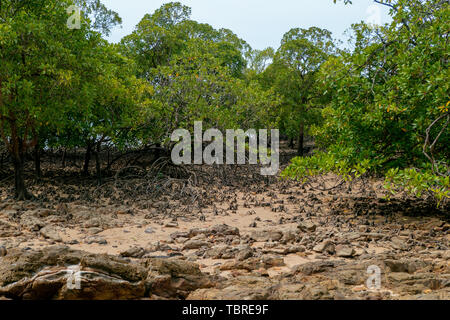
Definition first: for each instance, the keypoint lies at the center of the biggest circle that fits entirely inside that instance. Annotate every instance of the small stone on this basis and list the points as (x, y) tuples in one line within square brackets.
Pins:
[(288, 237), (344, 251), (149, 230), (134, 252), (399, 243), (95, 239), (172, 224), (266, 235), (325, 246), (181, 240), (273, 261), (244, 254), (3, 251), (307, 226), (51, 233), (94, 230), (446, 255), (195, 244)]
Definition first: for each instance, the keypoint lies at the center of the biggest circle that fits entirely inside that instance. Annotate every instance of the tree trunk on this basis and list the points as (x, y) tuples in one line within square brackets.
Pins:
[(87, 160), (98, 164), (291, 143), (63, 160), (21, 192), (37, 161), (301, 139)]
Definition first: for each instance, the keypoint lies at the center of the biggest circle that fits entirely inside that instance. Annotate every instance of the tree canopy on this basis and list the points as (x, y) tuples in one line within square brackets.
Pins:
[(379, 108)]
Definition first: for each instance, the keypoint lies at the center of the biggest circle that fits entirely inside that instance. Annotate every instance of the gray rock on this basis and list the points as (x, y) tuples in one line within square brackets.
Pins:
[(326, 246), (172, 224), (95, 239), (266, 235), (344, 251), (134, 252), (195, 244), (405, 265), (307, 226), (217, 252), (244, 253), (49, 232)]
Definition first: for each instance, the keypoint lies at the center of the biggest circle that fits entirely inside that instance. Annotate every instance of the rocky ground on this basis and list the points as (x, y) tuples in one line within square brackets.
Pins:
[(269, 239)]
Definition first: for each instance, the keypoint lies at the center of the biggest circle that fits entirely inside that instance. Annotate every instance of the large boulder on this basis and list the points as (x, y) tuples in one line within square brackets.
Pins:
[(61, 273)]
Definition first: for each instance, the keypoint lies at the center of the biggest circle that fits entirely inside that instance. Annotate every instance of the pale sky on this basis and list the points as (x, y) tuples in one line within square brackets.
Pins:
[(262, 23)]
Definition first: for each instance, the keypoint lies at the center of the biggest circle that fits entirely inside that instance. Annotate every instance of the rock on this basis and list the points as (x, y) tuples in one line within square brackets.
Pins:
[(94, 230), (155, 246), (49, 232), (344, 251), (9, 213), (220, 230), (46, 274), (266, 235), (295, 249), (244, 253), (314, 267), (399, 243), (172, 224), (149, 230), (181, 240), (95, 239), (405, 265), (7, 229), (195, 244), (373, 236), (307, 226), (92, 223), (179, 234), (218, 252), (240, 288), (171, 278), (134, 252), (326, 246), (31, 223), (446, 255), (289, 237), (3, 251), (271, 261)]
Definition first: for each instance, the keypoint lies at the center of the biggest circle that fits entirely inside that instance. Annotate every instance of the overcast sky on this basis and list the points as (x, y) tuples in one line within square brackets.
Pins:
[(261, 23)]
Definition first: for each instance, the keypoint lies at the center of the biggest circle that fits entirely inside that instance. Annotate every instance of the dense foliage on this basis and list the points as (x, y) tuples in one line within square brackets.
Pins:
[(381, 107), (388, 111)]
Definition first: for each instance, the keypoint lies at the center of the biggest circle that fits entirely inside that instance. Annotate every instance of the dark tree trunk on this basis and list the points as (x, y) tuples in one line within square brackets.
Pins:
[(87, 160), (37, 161), (291, 142), (63, 160), (20, 190), (98, 166), (301, 140)]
